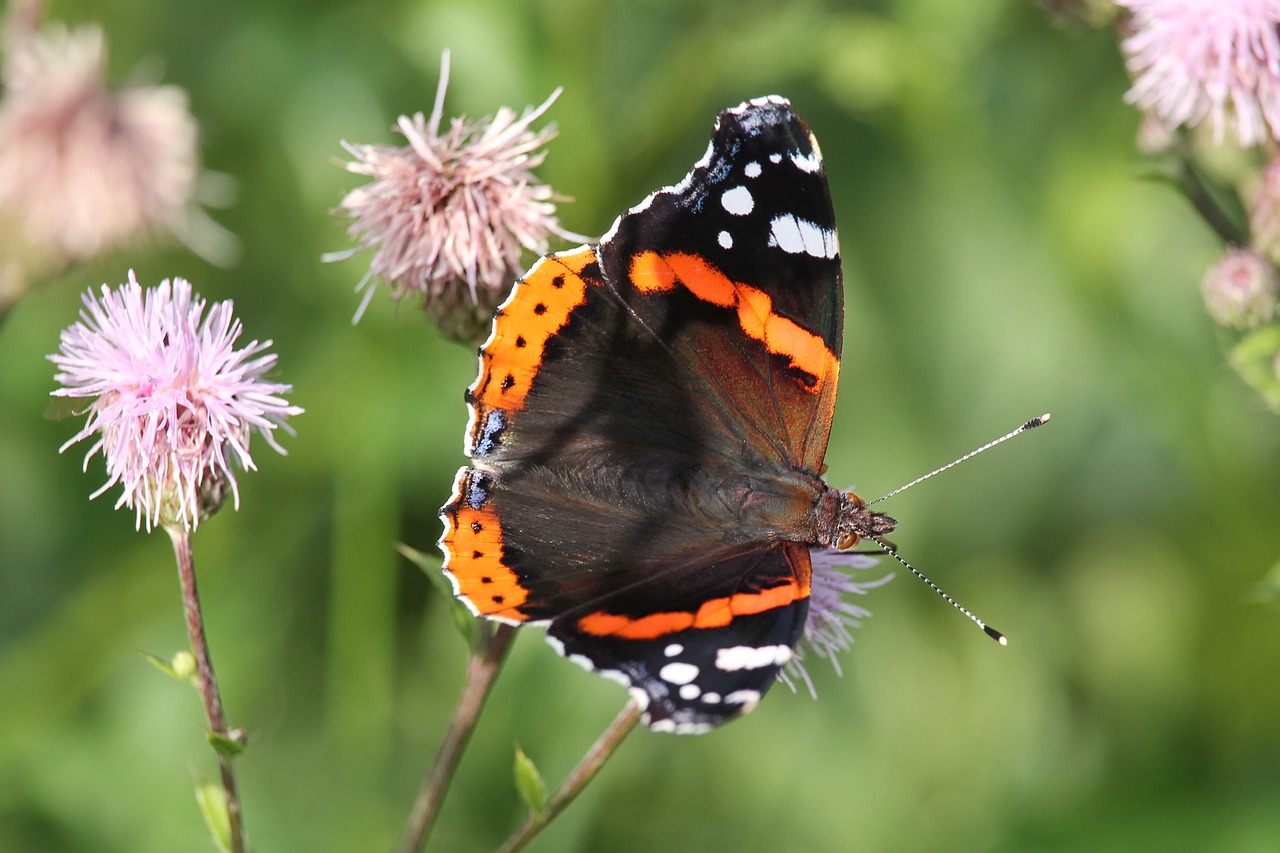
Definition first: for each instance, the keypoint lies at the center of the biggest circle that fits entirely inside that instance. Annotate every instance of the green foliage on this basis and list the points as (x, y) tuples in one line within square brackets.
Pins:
[(530, 784), (228, 745), (182, 666), (1255, 359), (463, 619), (212, 800)]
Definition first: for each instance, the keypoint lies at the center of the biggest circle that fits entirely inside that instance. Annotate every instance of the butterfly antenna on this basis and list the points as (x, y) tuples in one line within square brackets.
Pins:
[(990, 632), (1029, 425)]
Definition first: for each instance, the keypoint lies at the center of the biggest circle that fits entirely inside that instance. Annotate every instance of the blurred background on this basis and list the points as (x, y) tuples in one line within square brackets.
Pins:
[(1004, 256)]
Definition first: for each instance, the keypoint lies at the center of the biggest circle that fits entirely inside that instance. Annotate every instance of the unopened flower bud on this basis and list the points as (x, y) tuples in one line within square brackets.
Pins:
[(183, 665), (1240, 289)]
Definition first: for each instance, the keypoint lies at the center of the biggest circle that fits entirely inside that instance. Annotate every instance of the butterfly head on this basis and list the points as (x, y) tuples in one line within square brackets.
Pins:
[(854, 521)]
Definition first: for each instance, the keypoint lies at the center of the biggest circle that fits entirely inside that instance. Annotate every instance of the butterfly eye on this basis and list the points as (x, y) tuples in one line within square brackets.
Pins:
[(848, 540)]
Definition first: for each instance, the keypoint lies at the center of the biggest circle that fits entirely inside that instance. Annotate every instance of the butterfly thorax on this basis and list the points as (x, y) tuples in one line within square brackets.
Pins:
[(789, 505)]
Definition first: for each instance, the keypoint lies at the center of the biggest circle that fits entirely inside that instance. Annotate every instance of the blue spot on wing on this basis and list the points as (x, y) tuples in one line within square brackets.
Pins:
[(477, 493), (491, 436)]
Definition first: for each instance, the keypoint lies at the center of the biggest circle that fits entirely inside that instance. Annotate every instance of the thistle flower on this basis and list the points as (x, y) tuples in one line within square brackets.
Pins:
[(826, 631), (1215, 60), (174, 403), (84, 169), (447, 216), (1241, 289), (1264, 213)]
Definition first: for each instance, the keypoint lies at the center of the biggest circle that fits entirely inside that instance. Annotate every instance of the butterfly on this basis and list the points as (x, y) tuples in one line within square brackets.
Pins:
[(648, 427)]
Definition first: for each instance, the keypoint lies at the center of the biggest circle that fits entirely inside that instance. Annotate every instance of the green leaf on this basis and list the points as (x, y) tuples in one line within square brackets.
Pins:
[(428, 563), (1254, 358), (161, 665), (1260, 343), (182, 667), (228, 745), (530, 784), (1268, 589), (431, 566), (212, 800)]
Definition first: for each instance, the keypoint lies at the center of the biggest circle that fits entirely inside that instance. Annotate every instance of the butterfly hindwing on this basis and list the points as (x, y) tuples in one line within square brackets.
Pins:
[(714, 655)]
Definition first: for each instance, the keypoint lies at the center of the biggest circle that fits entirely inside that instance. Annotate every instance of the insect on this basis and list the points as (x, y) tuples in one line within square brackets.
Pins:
[(647, 433)]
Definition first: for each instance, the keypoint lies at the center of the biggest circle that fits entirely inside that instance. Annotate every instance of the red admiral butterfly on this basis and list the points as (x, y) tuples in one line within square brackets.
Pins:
[(648, 428)]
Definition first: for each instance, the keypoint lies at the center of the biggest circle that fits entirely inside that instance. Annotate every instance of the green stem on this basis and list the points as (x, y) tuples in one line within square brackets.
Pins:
[(206, 681), (482, 669), (1208, 208), (586, 770)]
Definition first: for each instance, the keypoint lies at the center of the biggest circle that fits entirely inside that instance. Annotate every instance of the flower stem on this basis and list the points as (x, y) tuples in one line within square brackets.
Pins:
[(491, 650), (205, 679), (586, 770), (1205, 204)]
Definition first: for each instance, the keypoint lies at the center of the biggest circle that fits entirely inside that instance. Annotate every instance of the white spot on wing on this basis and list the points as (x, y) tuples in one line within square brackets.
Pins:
[(725, 239), (678, 673), (673, 650), (752, 169), (748, 657), (807, 162), (800, 236), (748, 699), (690, 691), (638, 694), (738, 201), (614, 676), (684, 728)]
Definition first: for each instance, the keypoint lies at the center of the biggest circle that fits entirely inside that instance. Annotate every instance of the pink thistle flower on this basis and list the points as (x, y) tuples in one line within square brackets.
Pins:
[(831, 616), (1241, 289), (84, 169), (1264, 213), (174, 402), (1219, 60), (447, 216)]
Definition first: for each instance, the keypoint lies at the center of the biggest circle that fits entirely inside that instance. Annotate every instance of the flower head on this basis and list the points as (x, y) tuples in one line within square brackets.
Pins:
[(1264, 213), (84, 169), (826, 630), (1241, 289), (447, 216), (1219, 60), (174, 402)]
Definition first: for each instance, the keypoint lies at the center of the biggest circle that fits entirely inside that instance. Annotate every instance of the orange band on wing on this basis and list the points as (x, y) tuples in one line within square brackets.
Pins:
[(650, 273), (473, 542), (809, 353), (715, 613), (704, 280), (537, 309)]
